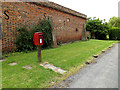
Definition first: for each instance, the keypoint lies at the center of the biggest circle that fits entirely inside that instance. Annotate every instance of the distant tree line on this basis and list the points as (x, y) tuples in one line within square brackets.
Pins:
[(100, 29)]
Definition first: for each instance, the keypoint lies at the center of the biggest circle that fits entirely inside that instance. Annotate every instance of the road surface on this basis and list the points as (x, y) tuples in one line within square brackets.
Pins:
[(103, 74)]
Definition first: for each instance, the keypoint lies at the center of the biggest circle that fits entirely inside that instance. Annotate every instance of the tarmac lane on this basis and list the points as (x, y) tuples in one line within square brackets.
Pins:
[(103, 74)]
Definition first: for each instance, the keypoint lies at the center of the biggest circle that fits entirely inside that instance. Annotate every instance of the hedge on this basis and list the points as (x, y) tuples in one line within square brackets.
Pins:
[(114, 33)]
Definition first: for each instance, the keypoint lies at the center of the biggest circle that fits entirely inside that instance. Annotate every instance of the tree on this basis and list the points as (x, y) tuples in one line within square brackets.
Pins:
[(114, 22), (97, 28)]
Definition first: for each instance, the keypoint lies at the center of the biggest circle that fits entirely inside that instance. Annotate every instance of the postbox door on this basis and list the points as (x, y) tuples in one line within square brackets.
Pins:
[(38, 38)]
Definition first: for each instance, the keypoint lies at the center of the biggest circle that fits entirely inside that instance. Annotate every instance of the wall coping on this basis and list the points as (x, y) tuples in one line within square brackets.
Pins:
[(60, 8)]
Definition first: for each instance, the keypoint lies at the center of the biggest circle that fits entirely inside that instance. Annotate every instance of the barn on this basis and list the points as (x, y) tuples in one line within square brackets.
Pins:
[(68, 24)]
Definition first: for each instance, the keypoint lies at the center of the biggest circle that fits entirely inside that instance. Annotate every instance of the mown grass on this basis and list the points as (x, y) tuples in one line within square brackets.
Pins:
[(66, 57)]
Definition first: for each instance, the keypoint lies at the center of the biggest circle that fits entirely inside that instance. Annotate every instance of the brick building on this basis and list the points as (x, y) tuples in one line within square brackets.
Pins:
[(68, 24)]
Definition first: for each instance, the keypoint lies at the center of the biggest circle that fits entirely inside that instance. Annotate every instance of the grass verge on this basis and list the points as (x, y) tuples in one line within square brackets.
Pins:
[(69, 57)]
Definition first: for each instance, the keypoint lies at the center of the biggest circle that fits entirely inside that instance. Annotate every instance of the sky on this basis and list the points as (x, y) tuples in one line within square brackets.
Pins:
[(103, 9)]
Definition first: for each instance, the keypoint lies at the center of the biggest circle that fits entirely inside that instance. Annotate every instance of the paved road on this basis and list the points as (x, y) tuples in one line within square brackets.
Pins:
[(103, 74)]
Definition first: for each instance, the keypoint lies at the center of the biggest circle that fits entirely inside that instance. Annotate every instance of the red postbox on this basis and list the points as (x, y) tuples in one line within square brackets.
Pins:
[(38, 38)]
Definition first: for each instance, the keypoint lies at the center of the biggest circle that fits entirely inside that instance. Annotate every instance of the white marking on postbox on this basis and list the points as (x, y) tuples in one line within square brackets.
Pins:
[(40, 40)]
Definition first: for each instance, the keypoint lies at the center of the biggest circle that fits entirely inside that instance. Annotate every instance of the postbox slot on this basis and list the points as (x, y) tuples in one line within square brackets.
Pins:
[(40, 34)]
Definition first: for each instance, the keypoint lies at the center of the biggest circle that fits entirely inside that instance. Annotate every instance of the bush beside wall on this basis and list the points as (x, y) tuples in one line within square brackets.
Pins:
[(25, 39)]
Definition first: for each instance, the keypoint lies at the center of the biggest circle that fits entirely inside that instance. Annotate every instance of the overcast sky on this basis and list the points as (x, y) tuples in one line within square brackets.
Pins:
[(103, 9)]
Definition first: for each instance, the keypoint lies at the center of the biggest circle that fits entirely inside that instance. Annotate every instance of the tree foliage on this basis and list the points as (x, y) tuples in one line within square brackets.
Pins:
[(97, 27), (114, 22)]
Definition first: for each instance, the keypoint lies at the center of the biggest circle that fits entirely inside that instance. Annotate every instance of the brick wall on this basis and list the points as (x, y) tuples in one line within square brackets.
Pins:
[(0, 31), (67, 27)]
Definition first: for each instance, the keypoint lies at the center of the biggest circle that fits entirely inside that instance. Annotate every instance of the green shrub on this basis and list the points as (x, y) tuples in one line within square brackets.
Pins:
[(73, 41), (59, 43), (88, 38), (114, 33), (44, 26), (25, 39), (101, 36)]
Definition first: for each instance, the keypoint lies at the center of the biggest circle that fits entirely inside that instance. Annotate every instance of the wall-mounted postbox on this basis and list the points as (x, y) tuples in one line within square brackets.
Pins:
[(38, 38)]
